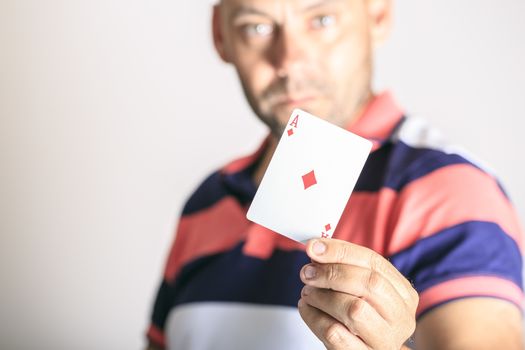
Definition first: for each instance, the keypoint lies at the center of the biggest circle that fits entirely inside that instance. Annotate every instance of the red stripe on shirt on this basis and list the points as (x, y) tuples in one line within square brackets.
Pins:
[(470, 287), (365, 219), (156, 336), (207, 232), (261, 242), (218, 229), (423, 209), (424, 206)]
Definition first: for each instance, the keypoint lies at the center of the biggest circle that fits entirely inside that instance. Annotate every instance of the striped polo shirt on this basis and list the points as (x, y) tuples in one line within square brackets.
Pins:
[(439, 216)]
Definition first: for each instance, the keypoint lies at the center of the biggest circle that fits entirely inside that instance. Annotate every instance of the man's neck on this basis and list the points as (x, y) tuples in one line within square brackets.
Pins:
[(265, 160), (273, 141)]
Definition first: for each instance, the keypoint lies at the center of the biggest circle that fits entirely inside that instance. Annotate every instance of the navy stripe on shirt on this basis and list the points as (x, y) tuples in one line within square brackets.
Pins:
[(457, 251), (393, 166), (234, 277)]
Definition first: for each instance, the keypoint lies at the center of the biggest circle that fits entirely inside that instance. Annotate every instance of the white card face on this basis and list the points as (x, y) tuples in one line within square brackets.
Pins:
[(309, 179)]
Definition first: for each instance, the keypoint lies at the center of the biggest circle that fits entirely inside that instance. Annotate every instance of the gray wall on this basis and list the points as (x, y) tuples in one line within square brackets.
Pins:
[(112, 111)]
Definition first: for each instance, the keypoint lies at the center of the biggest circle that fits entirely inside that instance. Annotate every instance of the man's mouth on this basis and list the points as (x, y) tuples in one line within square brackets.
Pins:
[(294, 101)]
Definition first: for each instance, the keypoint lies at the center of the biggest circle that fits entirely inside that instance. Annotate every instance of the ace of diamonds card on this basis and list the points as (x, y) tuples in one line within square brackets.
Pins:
[(309, 179)]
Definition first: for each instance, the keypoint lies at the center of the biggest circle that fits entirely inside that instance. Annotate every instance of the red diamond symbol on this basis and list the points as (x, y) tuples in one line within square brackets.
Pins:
[(290, 132), (309, 180), (327, 227)]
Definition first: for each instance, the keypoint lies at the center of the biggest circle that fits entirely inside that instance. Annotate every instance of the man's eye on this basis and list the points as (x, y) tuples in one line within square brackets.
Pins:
[(323, 21), (258, 30)]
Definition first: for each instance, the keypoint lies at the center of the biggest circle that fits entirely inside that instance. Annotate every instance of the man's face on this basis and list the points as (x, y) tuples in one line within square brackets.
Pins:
[(310, 54)]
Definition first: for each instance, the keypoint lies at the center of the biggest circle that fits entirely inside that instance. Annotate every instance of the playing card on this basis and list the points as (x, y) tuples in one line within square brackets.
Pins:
[(309, 179)]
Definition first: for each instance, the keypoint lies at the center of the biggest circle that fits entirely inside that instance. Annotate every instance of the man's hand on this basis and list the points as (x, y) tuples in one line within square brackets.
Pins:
[(354, 298)]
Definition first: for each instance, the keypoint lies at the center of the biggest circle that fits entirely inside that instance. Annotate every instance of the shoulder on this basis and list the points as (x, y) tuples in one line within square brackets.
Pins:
[(208, 192), (233, 181), (420, 151), (443, 191)]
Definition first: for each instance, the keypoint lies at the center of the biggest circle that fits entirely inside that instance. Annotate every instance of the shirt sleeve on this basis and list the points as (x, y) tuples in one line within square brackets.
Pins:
[(464, 238)]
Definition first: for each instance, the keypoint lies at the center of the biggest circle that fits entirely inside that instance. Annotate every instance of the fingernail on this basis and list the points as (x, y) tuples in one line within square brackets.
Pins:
[(319, 248), (309, 272)]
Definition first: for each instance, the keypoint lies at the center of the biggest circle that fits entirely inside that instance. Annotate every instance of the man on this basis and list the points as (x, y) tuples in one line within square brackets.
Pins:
[(427, 235)]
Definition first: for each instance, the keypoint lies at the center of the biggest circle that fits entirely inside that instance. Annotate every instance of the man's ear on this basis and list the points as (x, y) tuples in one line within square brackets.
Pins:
[(380, 13), (218, 38)]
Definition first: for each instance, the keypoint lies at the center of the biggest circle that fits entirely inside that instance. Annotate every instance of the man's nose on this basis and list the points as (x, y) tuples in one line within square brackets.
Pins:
[(289, 51)]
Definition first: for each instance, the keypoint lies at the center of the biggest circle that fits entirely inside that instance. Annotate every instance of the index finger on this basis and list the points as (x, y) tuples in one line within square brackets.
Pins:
[(335, 251)]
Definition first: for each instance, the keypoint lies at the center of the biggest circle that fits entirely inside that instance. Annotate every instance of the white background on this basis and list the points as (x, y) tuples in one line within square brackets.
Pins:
[(112, 111)]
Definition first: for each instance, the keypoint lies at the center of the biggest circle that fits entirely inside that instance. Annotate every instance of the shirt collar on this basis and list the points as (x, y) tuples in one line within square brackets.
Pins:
[(378, 120), (377, 123)]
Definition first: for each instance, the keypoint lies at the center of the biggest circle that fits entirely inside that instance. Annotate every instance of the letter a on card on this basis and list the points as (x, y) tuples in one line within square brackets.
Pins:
[(294, 122)]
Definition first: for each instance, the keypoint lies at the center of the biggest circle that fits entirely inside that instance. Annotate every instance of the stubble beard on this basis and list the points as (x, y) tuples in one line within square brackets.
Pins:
[(341, 112), (265, 105)]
